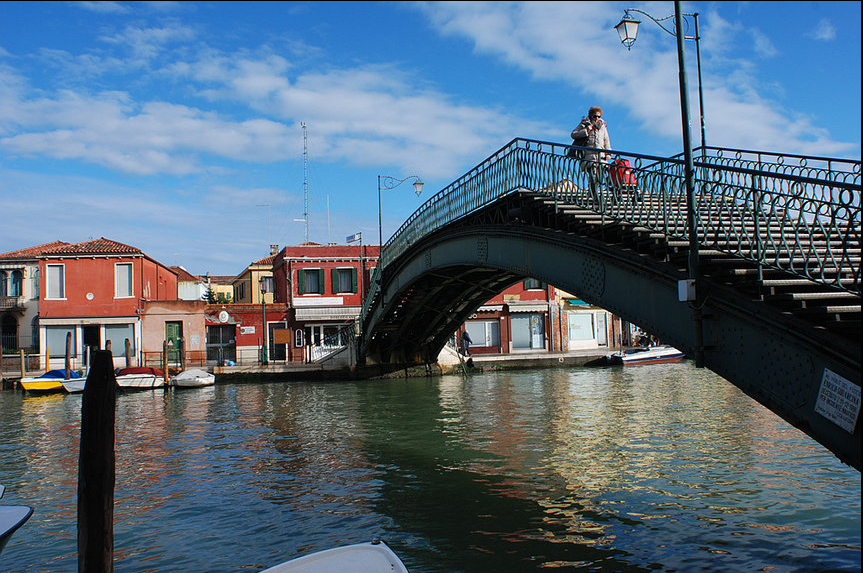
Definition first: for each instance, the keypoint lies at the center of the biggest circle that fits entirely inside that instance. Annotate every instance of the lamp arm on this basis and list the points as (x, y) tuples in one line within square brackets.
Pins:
[(388, 182), (660, 20)]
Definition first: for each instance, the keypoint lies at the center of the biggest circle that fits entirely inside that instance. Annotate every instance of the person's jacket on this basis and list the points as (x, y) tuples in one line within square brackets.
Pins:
[(597, 137)]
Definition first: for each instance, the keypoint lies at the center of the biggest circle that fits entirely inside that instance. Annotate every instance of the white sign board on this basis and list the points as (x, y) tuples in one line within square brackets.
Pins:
[(247, 330), (838, 400)]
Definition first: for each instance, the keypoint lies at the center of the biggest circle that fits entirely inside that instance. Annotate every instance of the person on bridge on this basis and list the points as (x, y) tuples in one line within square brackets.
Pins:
[(595, 130)]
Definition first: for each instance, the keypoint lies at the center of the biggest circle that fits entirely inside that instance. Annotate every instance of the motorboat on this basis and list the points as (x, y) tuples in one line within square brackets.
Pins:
[(139, 377), (50, 381), (11, 518), (646, 355), (74, 386), (372, 557), (193, 378)]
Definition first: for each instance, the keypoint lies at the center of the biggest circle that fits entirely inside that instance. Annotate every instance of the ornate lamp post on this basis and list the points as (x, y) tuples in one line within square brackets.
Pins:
[(627, 30), (387, 182)]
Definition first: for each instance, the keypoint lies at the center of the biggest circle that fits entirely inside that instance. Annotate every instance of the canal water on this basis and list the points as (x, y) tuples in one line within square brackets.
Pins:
[(652, 468)]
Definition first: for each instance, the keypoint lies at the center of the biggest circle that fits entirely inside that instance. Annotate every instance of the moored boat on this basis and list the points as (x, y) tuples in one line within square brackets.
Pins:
[(140, 377), (11, 518), (51, 381), (74, 386), (648, 355), (373, 557), (193, 378)]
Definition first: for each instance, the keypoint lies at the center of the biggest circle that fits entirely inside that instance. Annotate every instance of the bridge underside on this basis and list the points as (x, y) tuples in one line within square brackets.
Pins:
[(434, 287)]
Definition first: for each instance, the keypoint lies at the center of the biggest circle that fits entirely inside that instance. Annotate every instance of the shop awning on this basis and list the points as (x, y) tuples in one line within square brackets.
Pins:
[(328, 313)]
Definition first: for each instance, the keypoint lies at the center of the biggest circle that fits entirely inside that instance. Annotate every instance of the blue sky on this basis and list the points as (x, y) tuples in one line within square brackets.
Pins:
[(175, 127)]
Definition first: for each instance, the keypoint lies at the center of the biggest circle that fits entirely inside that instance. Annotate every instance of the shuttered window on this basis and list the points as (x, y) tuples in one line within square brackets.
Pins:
[(56, 282), (344, 280), (123, 283), (310, 281)]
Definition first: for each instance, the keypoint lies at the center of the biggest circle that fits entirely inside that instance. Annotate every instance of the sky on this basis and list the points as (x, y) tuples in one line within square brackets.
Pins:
[(177, 127)]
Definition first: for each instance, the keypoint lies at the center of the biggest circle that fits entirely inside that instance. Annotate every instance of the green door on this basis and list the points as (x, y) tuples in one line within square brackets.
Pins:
[(174, 338)]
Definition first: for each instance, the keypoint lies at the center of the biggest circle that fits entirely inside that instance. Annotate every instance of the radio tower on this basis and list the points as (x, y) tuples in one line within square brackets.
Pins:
[(306, 180)]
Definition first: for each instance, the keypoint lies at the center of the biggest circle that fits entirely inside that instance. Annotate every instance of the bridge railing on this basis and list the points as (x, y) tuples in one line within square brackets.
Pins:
[(750, 204)]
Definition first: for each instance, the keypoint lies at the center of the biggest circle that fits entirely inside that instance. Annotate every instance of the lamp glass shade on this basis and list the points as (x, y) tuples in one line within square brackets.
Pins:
[(418, 187), (627, 29)]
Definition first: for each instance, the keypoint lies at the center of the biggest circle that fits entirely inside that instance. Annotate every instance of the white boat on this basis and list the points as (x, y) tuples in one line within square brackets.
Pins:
[(373, 557), (140, 377), (73, 386), (646, 355), (193, 378), (11, 518)]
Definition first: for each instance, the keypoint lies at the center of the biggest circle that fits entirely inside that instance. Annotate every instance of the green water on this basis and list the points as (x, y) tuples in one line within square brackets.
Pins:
[(655, 468)]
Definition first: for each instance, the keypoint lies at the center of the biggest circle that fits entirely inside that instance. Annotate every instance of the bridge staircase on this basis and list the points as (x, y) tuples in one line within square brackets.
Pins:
[(827, 304)]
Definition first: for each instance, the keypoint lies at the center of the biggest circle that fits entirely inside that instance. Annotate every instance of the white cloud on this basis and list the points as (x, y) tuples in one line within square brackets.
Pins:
[(824, 31)]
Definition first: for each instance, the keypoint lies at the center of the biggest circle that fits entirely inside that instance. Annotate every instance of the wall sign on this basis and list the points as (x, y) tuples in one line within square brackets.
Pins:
[(838, 400)]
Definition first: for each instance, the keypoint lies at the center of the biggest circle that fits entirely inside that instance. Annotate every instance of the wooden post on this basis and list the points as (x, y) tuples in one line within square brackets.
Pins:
[(165, 359), (23, 364), (68, 363), (96, 467), (128, 353)]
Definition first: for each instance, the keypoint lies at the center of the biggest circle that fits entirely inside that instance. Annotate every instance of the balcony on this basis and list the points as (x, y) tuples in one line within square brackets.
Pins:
[(13, 303)]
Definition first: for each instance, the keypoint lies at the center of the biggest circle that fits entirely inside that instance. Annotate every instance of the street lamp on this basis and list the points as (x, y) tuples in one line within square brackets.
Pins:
[(386, 182), (264, 338), (627, 30)]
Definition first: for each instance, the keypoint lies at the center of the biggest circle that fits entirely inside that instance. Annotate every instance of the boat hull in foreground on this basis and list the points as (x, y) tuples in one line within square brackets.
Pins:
[(373, 557), (11, 518)]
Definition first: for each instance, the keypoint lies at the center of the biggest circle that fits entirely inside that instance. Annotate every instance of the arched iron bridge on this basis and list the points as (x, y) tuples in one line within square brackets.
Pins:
[(777, 306)]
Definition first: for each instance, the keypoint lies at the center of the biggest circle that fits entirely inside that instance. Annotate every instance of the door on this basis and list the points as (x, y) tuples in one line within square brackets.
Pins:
[(92, 339), (174, 338)]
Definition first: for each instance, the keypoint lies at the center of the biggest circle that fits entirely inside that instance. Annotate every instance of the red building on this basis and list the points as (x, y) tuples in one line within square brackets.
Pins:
[(322, 287), (95, 290)]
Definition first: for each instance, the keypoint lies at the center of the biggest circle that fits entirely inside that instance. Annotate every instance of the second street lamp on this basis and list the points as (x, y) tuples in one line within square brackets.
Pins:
[(627, 30)]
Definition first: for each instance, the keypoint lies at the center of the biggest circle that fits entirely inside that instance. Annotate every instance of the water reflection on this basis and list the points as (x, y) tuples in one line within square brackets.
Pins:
[(655, 468)]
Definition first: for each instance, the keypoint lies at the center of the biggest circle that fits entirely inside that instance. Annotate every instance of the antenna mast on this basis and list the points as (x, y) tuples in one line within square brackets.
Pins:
[(306, 180)]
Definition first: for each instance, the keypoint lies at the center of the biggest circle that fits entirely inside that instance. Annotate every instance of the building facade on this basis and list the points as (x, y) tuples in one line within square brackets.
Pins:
[(93, 292), (322, 288)]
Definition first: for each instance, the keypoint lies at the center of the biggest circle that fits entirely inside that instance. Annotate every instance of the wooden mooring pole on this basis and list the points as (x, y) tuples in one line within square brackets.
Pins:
[(96, 467)]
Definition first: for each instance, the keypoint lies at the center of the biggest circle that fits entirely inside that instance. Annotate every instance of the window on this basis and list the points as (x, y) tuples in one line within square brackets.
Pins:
[(56, 281), (310, 281), (55, 338), (117, 334), (533, 284), (267, 283), (344, 280), (17, 283), (2, 283), (123, 280), (483, 332)]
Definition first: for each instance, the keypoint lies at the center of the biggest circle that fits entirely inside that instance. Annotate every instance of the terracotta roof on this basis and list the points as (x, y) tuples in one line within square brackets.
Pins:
[(33, 252), (265, 261), (183, 275), (98, 246), (222, 279)]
